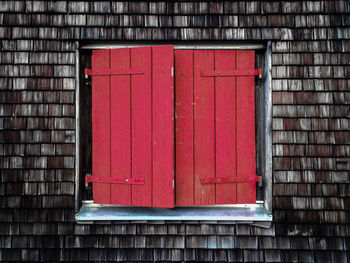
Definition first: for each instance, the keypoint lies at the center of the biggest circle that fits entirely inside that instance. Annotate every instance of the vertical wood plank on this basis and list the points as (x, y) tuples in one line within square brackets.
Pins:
[(246, 192), (184, 127), (141, 147), (101, 126), (204, 127), (163, 126), (225, 134), (120, 127)]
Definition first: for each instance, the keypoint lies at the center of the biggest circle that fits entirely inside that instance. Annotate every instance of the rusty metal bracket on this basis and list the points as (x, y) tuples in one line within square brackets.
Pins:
[(96, 179), (231, 73), (106, 72), (224, 180)]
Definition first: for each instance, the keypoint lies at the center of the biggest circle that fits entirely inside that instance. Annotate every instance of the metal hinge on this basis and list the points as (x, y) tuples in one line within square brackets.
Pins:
[(86, 184), (223, 180), (231, 73), (96, 179), (106, 72)]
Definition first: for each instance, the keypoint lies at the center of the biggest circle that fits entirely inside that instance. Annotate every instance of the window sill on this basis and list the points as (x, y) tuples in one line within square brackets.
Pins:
[(93, 213)]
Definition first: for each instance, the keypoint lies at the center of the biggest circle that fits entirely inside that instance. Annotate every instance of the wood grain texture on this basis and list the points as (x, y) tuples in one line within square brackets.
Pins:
[(184, 152), (246, 192), (141, 126), (225, 127), (214, 130), (204, 145), (162, 126), (120, 127), (101, 127), (141, 123)]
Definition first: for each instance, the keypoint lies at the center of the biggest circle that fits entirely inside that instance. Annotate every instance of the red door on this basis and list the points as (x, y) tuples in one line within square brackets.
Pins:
[(215, 127), (133, 126)]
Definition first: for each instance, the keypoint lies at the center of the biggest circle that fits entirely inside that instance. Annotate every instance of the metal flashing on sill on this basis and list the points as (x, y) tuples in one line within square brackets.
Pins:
[(90, 213), (189, 45)]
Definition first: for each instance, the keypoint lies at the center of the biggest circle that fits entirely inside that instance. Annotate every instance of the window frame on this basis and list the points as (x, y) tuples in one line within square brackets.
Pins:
[(264, 132)]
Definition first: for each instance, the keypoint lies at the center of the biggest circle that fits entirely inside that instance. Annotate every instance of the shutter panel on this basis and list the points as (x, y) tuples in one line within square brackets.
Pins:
[(120, 127), (184, 127), (215, 127), (101, 128), (141, 117), (132, 125), (204, 129), (225, 135), (246, 192), (163, 126)]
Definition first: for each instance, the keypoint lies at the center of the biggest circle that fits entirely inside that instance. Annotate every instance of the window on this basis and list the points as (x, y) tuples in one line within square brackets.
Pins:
[(133, 134), (150, 149)]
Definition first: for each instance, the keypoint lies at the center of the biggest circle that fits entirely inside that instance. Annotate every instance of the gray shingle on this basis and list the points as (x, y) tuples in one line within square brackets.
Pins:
[(120, 7)]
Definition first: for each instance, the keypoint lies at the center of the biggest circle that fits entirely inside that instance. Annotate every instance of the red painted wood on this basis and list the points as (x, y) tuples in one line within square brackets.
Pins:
[(227, 180), (113, 181), (163, 126), (141, 126), (113, 71), (101, 127), (230, 73), (133, 128), (217, 148), (120, 127), (225, 127), (184, 161), (246, 192), (204, 136)]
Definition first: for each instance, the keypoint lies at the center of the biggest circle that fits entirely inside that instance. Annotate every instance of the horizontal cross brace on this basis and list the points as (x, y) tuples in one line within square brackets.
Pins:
[(231, 73), (224, 180), (96, 179), (103, 72)]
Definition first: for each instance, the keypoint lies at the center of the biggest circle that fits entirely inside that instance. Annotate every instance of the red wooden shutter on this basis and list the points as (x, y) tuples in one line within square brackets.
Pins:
[(132, 126), (215, 127)]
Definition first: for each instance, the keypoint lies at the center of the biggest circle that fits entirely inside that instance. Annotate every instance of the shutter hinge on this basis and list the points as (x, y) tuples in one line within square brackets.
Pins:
[(106, 72), (86, 184), (231, 73), (260, 180), (225, 180), (96, 179)]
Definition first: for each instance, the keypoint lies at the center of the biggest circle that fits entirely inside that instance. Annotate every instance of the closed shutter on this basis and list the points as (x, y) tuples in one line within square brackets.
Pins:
[(215, 127), (132, 126)]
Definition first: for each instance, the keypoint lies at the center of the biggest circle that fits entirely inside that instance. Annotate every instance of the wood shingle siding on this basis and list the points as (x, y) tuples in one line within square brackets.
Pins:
[(310, 83)]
